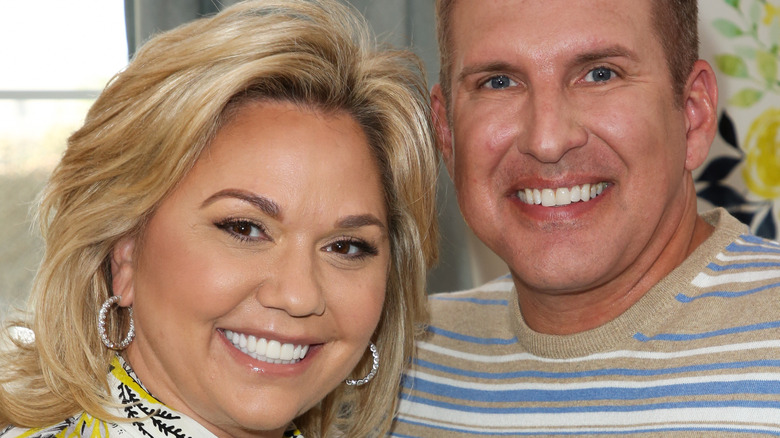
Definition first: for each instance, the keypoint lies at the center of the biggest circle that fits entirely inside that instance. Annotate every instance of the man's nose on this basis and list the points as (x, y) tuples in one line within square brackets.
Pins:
[(552, 125)]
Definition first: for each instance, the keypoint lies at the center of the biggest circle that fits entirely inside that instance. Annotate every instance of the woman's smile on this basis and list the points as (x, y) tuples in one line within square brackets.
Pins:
[(259, 281)]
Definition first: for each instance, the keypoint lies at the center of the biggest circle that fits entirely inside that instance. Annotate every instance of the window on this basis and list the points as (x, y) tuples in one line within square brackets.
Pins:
[(57, 56)]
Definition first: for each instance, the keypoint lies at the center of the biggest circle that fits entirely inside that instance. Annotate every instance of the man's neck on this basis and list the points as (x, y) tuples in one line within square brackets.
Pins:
[(562, 314)]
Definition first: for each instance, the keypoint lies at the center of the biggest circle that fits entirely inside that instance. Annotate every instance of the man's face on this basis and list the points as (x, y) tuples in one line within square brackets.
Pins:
[(553, 98)]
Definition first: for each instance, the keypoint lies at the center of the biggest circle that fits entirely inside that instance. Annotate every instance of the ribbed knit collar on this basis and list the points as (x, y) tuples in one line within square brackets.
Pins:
[(644, 316)]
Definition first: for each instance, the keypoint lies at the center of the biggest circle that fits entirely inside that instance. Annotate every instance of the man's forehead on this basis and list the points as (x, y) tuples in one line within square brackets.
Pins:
[(531, 28), (487, 15)]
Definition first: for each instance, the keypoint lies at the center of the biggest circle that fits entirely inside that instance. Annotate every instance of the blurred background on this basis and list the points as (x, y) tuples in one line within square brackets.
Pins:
[(57, 56)]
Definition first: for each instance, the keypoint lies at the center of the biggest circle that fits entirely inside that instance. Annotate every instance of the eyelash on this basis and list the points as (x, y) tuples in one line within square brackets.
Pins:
[(612, 72), (366, 249), (227, 225), (484, 84)]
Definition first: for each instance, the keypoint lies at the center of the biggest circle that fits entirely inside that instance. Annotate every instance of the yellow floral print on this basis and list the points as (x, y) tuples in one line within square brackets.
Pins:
[(762, 160), (772, 11)]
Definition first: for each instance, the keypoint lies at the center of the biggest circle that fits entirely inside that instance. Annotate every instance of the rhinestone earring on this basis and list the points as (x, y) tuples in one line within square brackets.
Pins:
[(102, 326)]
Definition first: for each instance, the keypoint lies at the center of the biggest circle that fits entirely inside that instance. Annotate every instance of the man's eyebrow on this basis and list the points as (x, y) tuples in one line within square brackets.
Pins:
[(483, 67), (616, 51), (360, 220), (264, 204)]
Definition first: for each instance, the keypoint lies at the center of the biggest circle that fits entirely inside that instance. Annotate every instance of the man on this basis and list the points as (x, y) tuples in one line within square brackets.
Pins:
[(571, 129)]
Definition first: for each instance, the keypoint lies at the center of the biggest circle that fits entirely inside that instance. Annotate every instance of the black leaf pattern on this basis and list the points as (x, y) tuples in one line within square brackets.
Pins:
[(724, 196), (727, 130), (744, 217), (718, 169), (767, 227)]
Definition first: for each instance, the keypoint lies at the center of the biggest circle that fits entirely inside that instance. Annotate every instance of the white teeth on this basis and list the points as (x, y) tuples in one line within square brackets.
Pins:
[(287, 352), (274, 350), (575, 194), (562, 195), (267, 351), (548, 197)]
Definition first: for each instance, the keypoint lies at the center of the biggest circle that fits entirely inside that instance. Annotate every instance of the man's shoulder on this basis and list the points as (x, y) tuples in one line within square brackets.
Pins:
[(732, 251)]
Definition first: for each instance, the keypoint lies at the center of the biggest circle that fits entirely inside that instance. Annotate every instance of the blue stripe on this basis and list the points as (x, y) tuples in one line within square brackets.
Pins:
[(725, 294), (518, 410), (673, 337), (752, 238), (473, 300), (599, 372), (742, 387), (399, 435), (734, 266), (735, 247), (472, 339), (661, 429)]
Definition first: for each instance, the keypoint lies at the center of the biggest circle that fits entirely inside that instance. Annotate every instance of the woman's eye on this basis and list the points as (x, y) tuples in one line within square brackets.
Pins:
[(242, 229), (351, 248), (499, 82), (599, 74)]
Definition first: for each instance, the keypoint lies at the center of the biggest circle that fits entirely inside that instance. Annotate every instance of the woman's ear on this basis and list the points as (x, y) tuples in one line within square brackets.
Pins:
[(701, 113), (123, 270)]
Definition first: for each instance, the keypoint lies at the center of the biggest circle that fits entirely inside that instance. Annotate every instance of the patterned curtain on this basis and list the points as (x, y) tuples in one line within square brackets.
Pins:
[(741, 39)]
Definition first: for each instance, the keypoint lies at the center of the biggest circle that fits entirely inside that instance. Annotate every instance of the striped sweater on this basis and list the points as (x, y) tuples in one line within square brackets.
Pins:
[(698, 355)]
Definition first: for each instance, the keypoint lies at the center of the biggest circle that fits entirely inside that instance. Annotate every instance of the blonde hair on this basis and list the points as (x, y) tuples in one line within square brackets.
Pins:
[(145, 132)]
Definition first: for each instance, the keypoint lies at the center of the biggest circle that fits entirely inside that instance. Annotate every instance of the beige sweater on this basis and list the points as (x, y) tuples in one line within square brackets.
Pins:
[(698, 355)]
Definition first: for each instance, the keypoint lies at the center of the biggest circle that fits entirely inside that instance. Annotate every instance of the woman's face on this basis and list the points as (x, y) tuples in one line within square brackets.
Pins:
[(259, 281)]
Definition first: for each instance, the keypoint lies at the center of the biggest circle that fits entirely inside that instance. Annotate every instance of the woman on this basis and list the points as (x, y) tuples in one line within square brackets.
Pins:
[(242, 224)]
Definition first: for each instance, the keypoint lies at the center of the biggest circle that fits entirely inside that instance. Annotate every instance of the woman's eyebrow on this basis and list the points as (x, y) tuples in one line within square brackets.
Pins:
[(360, 220), (262, 203)]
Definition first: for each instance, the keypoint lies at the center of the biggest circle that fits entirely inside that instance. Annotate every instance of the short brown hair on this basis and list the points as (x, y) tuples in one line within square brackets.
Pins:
[(675, 23)]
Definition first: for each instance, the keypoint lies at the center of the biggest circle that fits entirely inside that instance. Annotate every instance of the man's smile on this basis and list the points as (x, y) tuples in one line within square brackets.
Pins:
[(559, 196)]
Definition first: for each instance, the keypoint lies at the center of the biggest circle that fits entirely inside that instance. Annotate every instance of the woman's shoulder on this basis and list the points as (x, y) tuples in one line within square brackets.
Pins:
[(69, 427), (81, 425)]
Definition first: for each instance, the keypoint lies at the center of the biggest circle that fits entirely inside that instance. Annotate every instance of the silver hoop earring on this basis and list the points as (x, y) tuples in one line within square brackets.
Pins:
[(374, 368), (102, 326)]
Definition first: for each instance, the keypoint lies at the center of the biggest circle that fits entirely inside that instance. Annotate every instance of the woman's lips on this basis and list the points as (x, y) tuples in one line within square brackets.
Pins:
[(267, 350)]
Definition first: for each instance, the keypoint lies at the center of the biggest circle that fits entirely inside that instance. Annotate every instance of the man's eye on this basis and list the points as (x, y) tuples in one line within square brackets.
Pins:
[(499, 82), (599, 74)]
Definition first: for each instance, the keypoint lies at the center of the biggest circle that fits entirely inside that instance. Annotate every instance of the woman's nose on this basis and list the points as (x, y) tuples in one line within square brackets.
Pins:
[(294, 285)]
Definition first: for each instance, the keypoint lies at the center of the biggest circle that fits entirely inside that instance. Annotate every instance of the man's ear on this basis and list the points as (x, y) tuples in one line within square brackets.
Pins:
[(442, 126), (123, 270), (701, 113)]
